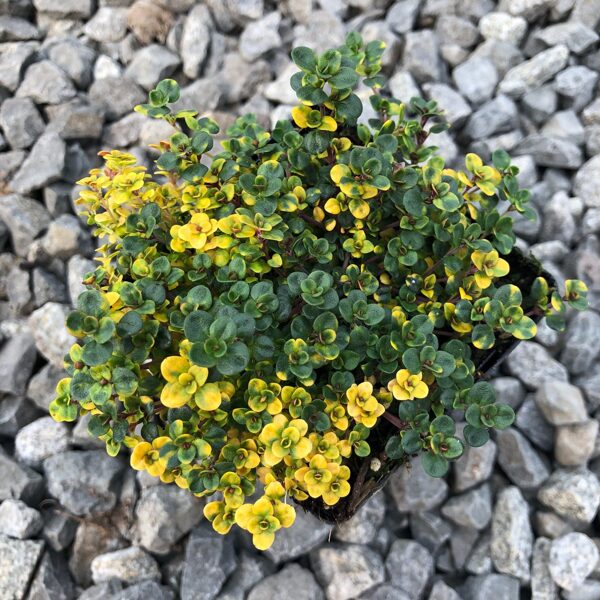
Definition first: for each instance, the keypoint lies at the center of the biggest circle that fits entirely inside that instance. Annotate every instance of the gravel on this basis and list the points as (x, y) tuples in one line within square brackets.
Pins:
[(521, 75)]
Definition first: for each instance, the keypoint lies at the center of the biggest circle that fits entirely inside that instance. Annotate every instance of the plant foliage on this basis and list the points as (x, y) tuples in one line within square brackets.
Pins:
[(263, 301)]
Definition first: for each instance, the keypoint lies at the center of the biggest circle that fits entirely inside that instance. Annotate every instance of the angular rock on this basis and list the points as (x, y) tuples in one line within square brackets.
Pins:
[(363, 527), (250, 571), (512, 539), (480, 561), (13, 29), (75, 59), (410, 567), (18, 560), (52, 339), (18, 481), (575, 444), (565, 124), (84, 482), (259, 37), (576, 85), (421, 56), (558, 223), (151, 64), (403, 86), (145, 590), (25, 219), (503, 27), (16, 412), (45, 83), (76, 121), (129, 565), (430, 530), (291, 577), (518, 459), (496, 116), (413, 490), (402, 15), (40, 440), (576, 36), (572, 558), (21, 122), (92, 539), (17, 520), (42, 386), (52, 580), (462, 542), (540, 103), (533, 365), (109, 24), (17, 358), (476, 79), (44, 164), (483, 587), (573, 494), (474, 466), (14, 58), (585, 178), (69, 9), (542, 584), (306, 533), (346, 570), (456, 108), (59, 531), (115, 96), (534, 426), (582, 342), (551, 151), (561, 403), (195, 40), (535, 71), (209, 560), (164, 514), (509, 391), (47, 287), (66, 237), (472, 509)]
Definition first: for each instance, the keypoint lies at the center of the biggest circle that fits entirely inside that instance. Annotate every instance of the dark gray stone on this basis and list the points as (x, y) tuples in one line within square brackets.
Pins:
[(551, 151), (21, 122), (413, 490), (14, 58), (41, 439), (533, 365), (45, 83), (17, 358), (25, 219), (115, 96), (471, 509), (476, 79), (47, 287), (164, 514), (75, 59), (582, 342), (18, 481), (195, 40), (410, 567), (306, 533), (402, 15), (496, 116), (151, 64), (483, 587), (291, 577), (421, 56), (59, 530), (52, 580), (519, 460), (576, 86), (363, 527), (143, 591), (430, 530), (209, 560), (84, 482), (509, 390), (251, 570), (531, 422), (16, 412), (44, 164)]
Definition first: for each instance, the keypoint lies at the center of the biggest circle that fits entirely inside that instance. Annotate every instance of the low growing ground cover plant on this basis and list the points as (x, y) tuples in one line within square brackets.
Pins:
[(260, 308)]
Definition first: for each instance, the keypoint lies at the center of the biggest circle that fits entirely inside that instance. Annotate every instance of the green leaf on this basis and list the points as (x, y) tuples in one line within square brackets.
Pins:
[(196, 325), (505, 416), (411, 441), (346, 78), (168, 161), (304, 58), (393, 448), (434, 465), (443, 424), (96, 354), (91, 303), (454, 448), (476, 436), (481, 393), (483, 337), (130, 324), (362, 448), (97, 426), (169, 89), (235, 360), (501, 159)]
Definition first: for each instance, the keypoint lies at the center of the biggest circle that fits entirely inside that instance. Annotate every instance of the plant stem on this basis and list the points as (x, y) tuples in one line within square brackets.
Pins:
[(394, 420)]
